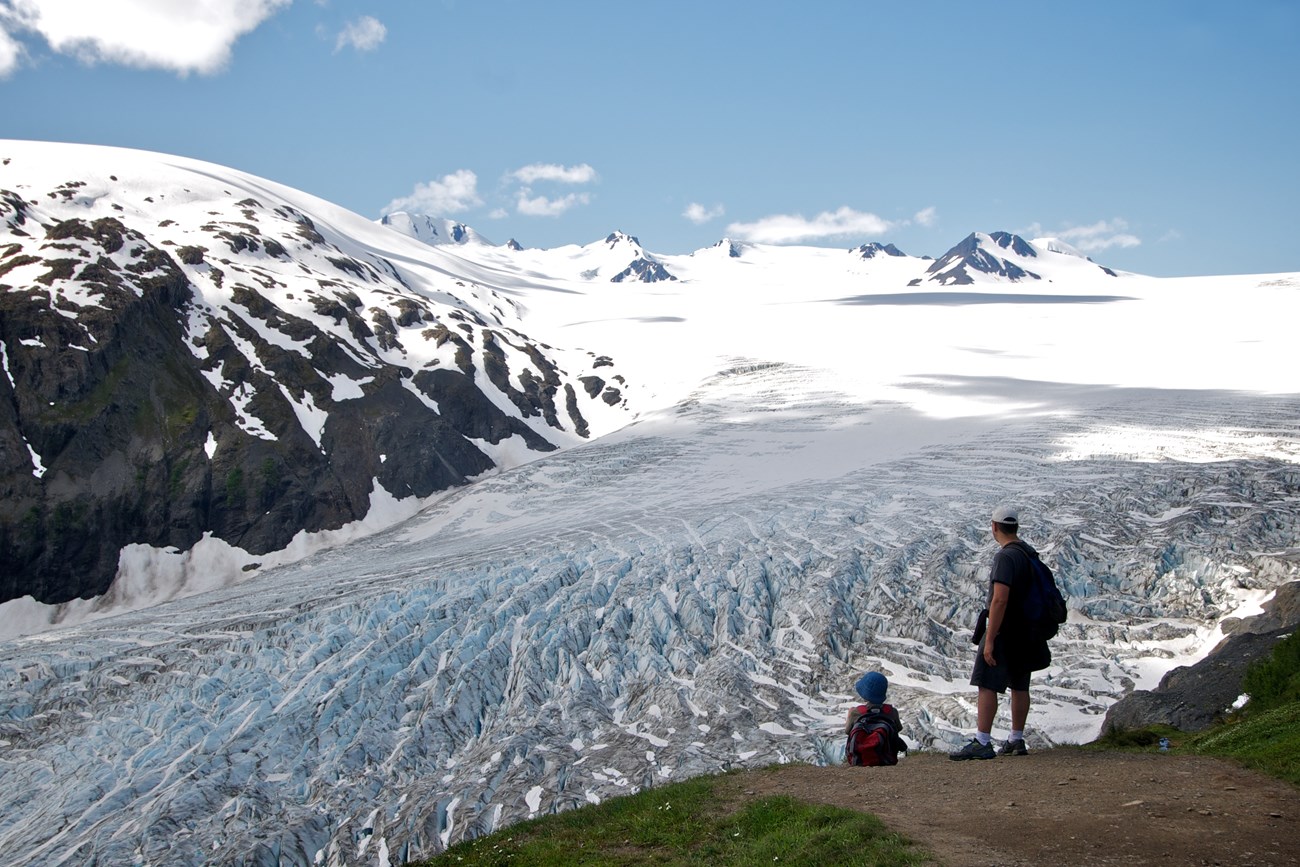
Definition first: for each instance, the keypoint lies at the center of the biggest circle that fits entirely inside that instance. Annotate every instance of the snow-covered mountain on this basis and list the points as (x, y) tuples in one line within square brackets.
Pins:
[(1009, 257), (804, 493), (192, 353)]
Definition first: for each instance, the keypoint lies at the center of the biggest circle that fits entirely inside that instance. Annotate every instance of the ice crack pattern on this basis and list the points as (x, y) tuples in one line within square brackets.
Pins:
[(693, 593)]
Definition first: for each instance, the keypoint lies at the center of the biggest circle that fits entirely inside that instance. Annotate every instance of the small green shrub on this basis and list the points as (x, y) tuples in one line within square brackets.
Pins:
[(1116, 738), (235, 487), (1274, 681)]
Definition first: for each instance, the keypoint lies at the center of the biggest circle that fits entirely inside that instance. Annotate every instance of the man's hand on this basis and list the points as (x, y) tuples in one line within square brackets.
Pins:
[(988, 652)]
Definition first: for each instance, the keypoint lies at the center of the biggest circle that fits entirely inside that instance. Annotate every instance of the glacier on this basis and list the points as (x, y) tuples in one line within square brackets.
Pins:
[(667, 601), (804, 494)]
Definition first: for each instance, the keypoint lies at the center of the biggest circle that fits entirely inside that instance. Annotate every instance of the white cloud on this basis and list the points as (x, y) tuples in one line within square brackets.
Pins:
[(541, 206), (150, 34), (580, 174), (11, 53), (699, 215), (546, 206), (364, 34), (1101, 235), (926, 216), (792, 228), (454, 193)]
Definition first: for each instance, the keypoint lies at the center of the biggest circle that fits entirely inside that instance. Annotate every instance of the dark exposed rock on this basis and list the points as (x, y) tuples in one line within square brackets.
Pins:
[(191, 255), (60, 269), (470, 412), (13, 209), (644, 270), (410, 313), (872, 250), (535, 395), (1192, 698), (307, 229), (351, 266), (580, 426), (385, 331), (17, 262), (115, 424), (1280, 612), (1015, 243), (614, 238), (954, 267), (105, 232)]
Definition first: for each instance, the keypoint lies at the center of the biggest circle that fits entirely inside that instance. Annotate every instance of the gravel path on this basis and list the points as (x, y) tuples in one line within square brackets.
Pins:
[(1063, 806)]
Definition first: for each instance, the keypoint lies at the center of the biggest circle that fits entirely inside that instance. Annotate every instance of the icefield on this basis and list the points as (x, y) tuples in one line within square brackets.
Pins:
[(804, 495)]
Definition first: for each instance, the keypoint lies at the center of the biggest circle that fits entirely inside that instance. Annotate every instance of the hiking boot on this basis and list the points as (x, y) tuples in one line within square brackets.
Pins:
[(974, 750), (1013, 748)]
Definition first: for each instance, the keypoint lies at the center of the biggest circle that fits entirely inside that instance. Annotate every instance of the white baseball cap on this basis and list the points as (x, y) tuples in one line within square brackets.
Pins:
[(1006, 515)]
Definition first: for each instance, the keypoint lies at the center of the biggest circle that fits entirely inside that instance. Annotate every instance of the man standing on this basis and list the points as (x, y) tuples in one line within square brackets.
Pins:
[(1006, 654)]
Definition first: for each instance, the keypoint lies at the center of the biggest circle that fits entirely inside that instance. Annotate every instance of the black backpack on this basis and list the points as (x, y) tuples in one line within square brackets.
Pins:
[(871, 742), (1044, 606)]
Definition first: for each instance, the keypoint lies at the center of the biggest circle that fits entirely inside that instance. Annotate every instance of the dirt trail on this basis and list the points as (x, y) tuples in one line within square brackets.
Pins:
[(1063, 806)]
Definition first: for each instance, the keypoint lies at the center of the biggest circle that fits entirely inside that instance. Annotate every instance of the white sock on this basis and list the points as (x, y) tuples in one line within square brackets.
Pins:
[(984, 738), (1017, 736)]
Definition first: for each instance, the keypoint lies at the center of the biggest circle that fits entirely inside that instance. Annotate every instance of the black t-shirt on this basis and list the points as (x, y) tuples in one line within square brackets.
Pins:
[(1011, 567)]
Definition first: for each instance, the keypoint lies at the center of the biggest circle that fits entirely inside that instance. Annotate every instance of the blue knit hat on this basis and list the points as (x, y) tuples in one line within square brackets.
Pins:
[(872, 686)]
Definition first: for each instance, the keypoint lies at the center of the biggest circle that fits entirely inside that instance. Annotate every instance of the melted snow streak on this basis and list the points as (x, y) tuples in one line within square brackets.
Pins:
[(695, 593)]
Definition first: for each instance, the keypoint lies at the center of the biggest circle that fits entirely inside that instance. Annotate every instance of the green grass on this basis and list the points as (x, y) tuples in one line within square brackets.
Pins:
[(1265, 734), (1267, 741), (691, 823)]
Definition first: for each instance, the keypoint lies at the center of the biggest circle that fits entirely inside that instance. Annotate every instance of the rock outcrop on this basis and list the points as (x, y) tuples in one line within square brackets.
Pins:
[(1194, 697)]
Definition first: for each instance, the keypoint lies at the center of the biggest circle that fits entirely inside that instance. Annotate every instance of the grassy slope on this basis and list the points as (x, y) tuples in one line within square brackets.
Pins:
[(690, 823)]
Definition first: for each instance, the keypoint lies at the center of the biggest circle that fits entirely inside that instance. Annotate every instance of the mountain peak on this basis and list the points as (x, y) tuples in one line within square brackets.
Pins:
[(874, 249), (973, 256), (1014, 243), (614, 239)]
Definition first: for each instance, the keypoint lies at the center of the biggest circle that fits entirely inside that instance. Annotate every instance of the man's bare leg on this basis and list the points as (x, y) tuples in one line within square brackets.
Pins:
[(986, 708)]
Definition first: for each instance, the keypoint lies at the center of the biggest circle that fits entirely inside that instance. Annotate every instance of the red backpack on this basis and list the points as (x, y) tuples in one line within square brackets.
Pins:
[(872, 739)]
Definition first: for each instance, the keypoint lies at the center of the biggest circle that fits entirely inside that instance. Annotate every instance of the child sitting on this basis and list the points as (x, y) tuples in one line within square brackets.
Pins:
[(873, 728)]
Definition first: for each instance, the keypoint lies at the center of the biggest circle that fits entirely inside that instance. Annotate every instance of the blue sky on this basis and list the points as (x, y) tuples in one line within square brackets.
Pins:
[(1158, 136)]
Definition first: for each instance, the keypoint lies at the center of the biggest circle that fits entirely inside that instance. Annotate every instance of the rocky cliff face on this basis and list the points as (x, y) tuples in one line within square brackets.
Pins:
[(1194, 697), (183, 359)]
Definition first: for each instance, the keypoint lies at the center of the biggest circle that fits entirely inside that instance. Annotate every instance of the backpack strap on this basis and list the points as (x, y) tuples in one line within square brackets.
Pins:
[(1024, 549)]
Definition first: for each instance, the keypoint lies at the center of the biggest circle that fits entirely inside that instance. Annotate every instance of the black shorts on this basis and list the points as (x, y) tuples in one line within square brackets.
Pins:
[(1012, 670)]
